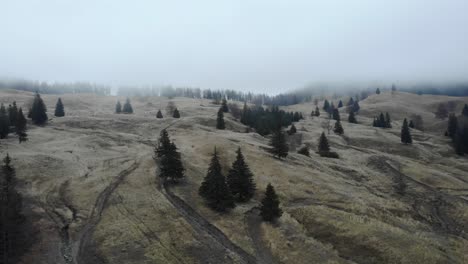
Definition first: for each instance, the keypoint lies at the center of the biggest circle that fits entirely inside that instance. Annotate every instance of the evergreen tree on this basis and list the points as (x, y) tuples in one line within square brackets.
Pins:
[(323, 145), (159, 114), (21, 126), (411, 124), (352, 118), (326, 105), (270, 209), (170, 164), (118, 108), (465, 110), (13, 114), (461, 140), (356, 107), (279, 146), (292, 130), (38, 112), (224, 106), (214, 188), (240, 179), (4, 122), (304, 151), (350, 102), (220, 120), (340, 104), (127, 108), (164, 144), (59, 110), (452, 125), (336, 114), (11, 217), (30, 112), (405, 133), (317, 111), (377, 91), (388, 122), (338, 129), (176, 113), (442, 111)]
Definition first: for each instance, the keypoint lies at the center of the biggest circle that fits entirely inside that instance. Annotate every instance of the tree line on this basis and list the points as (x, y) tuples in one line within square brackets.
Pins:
[(55, 88)]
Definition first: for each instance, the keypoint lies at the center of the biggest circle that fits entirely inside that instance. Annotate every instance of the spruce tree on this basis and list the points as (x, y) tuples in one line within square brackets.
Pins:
[(356, 107), (240, 179), (411, 124), (164, 144), (323, 145), (326, 105), (292, 130), (11, 217), (338, 129), (388, 121), (224, 106), (304, 151), (270, 209), (317, 111), (352, 118), (38, 111), (170, 164), (220, 120), (405, 133), (214, 188), (340, 104), (336, 114), (13, 114), (21, 126), (176, 113), (159, 114), (442, 111), (4, 122), (465, 110), (350, 102), (452, 125), (59, 109), (377, 91), (118, 108), (279, 146), (127, 108)]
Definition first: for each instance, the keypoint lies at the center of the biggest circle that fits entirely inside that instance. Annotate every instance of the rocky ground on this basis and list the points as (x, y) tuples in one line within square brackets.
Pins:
[(91, 194)]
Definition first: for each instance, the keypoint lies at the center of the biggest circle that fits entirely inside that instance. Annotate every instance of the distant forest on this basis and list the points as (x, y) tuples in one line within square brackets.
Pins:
[(290, 98)]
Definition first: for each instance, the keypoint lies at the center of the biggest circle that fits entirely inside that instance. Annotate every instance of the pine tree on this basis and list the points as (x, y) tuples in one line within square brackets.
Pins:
[(38, 112), (59, 109), (317, 111), (338, 129), (442, 111), (159, 114), (292, 130), (224, 106), (270, 209), (127, 108), (377, 91), (118, 108), (465, 110), (352, 118), (279, 146), (452, 125), (21, 126), (405, 133), (13, 114), (214, 188), (411, 124), (340, 104), (350, 102), (323, 145), (164, 144), (11, 217), (220, 120), (4, 122), (170, 164), (176, 113), (336, 114), (240, 179), (30, 112), (388, 122), (326, 105), (304, 151), (356, 107)]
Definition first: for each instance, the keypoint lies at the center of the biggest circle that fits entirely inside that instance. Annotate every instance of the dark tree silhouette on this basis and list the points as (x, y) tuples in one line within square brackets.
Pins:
[(159, 114), (224, 106), (13, 114), (465, 110), (279, 146), (338, 129), (38, 111), (304, 151), (340, 104), (270, 209), (323, 145), (214, 188), (170, 164), (118, 108), (411, 124), (336, 114), (127, 108), (377, 91), (4, 122), (59, 109), (240, 179), (326, 105), (441, 111), (21, 126), (352, 118), (220, 120), (452, 125), (176, 113), (292, 130), (317, 111), (405, 133)]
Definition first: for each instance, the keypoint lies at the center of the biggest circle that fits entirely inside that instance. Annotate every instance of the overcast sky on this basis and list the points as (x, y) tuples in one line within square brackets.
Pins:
[(261, 45)]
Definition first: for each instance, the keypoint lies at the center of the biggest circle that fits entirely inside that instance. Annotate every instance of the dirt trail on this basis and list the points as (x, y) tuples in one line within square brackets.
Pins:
[(84, 242), (200, 224), (263, 252)]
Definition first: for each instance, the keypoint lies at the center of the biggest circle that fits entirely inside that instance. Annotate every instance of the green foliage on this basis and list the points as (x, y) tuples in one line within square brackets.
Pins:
[(270, 209), (405, 133), (279, 146), (170, 164), (220, 120), (214, 188), (267, 121), (326, 106), (317, 111), (38, 111), (382, 121), (240, 179), (441, 111), (59, 109)]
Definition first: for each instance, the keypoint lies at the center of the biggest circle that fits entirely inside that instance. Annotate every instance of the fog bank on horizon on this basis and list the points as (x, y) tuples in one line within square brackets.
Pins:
[(260, 46)]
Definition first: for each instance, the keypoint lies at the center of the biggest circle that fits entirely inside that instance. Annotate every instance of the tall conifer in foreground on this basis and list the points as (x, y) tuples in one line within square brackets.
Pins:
[(170, 164), (214, 188), (405, 133), (240, 179), (38, 110), (59, 109), (270, 209), (220, 120)]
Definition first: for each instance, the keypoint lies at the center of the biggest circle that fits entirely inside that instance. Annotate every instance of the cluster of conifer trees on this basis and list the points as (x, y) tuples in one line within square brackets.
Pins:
[(12, 239), (382, 121), (266, 121), (12, 120), (457, 130), (126, 109)]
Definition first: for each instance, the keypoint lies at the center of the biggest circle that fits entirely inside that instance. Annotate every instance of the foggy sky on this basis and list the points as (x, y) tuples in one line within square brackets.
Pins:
[(259, 45)]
